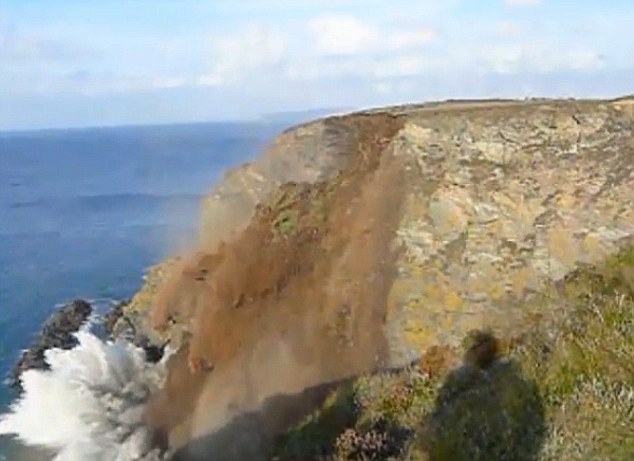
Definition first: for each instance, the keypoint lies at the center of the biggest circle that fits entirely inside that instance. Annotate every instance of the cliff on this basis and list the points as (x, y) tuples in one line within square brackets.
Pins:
[(362, 242)]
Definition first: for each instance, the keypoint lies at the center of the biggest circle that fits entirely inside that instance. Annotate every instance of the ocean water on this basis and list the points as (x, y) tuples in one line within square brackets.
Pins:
[(83, 212)]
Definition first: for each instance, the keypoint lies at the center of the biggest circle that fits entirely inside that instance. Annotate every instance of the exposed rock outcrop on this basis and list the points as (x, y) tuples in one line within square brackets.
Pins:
[(57, 332), (357, 242), (113, 315), (118, 324)]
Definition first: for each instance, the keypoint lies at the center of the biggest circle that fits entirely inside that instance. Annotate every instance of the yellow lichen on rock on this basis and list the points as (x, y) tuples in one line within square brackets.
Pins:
[(548, 190)]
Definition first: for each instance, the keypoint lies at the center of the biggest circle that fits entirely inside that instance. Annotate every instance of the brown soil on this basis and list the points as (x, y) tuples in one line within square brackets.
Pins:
[(298, 299)]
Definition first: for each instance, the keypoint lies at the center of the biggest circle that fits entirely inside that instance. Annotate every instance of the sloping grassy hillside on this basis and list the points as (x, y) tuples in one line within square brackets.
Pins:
[(562, 390)]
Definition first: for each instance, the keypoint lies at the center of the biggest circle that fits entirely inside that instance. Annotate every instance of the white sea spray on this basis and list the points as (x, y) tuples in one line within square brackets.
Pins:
[(89, 405)]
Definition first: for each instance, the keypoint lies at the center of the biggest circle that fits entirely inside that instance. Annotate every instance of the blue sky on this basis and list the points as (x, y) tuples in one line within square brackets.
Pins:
[(90, 63)]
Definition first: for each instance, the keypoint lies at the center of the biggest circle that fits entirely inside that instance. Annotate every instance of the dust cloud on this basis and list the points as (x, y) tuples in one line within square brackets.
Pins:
[(296, 301)]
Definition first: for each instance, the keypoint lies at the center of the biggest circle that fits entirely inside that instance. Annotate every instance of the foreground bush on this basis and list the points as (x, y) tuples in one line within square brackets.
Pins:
[(562, 390)]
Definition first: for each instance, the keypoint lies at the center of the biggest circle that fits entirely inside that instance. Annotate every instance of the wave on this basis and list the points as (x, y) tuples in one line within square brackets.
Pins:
[(89, 405)]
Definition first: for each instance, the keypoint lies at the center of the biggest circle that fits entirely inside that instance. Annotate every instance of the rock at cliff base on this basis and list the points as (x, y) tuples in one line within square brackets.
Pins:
[(57, 332), (113, 315)]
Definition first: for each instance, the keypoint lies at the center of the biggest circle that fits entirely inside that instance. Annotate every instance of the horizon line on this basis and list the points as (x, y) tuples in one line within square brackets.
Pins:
[(276, 117)]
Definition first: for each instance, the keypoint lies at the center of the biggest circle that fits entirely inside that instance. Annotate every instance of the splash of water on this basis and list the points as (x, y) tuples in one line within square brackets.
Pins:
[(89, 405)]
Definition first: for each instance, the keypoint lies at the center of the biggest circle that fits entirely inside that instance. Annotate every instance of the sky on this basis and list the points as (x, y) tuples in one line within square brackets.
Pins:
[(72, 63)]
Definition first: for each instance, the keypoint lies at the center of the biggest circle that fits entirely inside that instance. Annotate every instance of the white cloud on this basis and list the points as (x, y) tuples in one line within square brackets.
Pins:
[(332, 46), (20, 47), (393, 88), (537, 58), (346, 35), (509, 29), (383, 87), (398, 66), (96, 83), (385, 67), (377, 52), (410, 38), (168, 82), (522, 2), (341, 35), (320, 54), (341, 47), (253, 48)]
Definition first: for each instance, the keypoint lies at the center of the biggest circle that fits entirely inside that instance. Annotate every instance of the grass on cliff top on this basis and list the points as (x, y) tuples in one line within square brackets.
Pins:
[(562, 391)]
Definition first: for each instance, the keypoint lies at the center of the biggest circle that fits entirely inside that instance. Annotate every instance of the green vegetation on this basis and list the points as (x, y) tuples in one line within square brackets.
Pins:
[(286, 223), (563, 390)]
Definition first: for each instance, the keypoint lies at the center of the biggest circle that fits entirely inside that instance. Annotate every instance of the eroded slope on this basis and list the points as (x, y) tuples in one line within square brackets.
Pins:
[(407, 228)]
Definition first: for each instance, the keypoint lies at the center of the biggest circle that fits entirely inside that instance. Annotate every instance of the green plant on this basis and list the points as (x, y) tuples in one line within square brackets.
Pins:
[(564, 391)]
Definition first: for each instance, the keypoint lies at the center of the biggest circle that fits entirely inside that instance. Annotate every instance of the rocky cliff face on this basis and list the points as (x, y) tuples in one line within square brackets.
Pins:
[(358, 242), (506, 201)]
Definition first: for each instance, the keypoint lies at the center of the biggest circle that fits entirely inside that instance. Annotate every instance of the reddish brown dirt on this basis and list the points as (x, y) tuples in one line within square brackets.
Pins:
[(297, 300)]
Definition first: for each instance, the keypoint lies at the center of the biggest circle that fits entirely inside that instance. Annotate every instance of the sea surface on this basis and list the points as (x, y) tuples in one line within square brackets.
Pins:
[(84, 211)]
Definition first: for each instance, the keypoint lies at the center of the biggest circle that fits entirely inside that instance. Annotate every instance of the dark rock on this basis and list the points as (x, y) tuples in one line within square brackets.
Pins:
[(121, 325), (112, 317), (153, 354), (57, 332)]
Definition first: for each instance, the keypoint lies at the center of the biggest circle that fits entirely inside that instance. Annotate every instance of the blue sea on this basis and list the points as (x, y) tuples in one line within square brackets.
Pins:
[(84, 211)]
